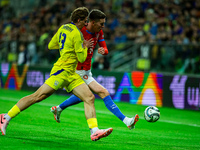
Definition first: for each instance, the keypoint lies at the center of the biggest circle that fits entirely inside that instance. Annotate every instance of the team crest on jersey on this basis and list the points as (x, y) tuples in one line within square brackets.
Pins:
[(56, 83), (85, 77)]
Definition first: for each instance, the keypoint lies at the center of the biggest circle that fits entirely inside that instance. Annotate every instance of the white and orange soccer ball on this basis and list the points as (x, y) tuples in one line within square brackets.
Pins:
[(151, 114)]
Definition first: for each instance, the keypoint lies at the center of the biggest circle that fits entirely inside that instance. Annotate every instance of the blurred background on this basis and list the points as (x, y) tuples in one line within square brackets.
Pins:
[(145, 35)]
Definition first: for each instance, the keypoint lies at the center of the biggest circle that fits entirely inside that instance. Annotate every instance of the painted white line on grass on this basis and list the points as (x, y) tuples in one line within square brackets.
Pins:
[(97, 111)]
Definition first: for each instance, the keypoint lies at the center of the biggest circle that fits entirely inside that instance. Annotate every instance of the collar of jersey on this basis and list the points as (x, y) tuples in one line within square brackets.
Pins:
[(75, 25), (89, 32)]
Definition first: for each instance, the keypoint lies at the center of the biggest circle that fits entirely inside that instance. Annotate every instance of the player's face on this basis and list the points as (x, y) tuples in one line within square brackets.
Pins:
[(82, 23), (98, 26)]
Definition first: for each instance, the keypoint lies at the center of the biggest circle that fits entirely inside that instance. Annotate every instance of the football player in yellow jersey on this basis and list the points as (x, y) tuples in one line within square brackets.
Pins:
[(73, 48)]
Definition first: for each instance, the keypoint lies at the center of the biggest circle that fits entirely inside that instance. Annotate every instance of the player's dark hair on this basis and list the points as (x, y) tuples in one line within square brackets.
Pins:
[(79, 13), (96, 15)]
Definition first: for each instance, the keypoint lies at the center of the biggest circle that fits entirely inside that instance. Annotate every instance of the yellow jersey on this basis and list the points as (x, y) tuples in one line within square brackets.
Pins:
[(69, 40)]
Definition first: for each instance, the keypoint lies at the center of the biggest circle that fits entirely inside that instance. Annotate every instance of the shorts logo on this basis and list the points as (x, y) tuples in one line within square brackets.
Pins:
[(85, 77), (56, 83)]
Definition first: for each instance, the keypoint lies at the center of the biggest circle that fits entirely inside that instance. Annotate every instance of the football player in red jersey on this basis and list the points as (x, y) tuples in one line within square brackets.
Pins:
[(94, 30)]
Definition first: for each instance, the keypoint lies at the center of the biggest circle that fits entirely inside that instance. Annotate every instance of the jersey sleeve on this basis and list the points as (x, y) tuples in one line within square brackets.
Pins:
[(80, 51), (53, 44), (102, 42)]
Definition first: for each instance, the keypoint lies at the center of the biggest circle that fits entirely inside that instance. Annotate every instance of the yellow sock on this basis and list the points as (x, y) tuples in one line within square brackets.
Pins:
[(14, 111), (92, 123)]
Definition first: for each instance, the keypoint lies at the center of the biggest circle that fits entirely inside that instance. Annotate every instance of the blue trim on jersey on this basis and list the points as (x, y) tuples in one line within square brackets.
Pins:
[(89, 32), (101, 40), (58, 72), (72, 23)]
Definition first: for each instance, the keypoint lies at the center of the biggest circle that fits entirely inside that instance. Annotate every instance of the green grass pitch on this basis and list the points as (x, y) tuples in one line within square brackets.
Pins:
[(35, 127)]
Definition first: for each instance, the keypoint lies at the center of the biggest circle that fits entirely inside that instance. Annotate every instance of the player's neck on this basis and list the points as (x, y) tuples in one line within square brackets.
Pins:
[(77, 25), (89, 28)]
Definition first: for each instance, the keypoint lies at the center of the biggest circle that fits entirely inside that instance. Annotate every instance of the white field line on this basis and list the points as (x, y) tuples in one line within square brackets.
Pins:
[(97, 111)]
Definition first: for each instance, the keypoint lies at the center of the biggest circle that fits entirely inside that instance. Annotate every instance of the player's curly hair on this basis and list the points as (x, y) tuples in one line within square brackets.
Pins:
[(96, 15), (79, 13)]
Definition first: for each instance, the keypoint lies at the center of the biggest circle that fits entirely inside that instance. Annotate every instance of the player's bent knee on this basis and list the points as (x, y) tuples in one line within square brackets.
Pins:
[(103, 93), (90, 99), (106, 93)]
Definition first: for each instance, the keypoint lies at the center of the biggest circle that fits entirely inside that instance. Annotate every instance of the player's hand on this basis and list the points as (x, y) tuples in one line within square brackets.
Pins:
[(89, 43), (101, 50)]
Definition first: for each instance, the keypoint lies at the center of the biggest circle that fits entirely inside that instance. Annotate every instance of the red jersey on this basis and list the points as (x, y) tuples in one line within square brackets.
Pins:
[(98, 37)]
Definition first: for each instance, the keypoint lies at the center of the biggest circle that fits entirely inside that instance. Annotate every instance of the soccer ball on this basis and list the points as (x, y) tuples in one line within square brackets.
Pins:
[(151, 114)]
